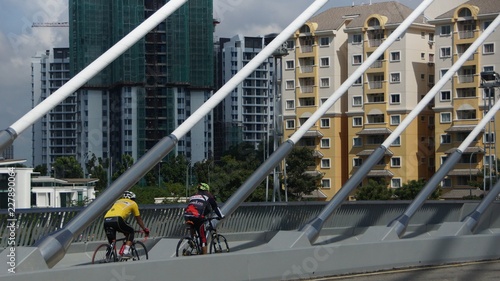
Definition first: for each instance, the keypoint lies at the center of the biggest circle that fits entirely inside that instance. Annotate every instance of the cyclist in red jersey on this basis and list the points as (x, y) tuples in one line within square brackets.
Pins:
[(115, 220), (199, 206)]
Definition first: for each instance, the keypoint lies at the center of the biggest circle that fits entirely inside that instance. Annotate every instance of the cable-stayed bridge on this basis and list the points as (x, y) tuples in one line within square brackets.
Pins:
[(287, 253)]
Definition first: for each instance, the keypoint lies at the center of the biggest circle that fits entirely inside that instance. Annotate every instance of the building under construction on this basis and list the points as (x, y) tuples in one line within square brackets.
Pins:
[(144, 94)]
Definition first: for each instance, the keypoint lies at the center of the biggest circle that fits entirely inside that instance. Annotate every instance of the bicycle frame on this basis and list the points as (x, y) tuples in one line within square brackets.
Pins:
[(218, 243), (137, 249)]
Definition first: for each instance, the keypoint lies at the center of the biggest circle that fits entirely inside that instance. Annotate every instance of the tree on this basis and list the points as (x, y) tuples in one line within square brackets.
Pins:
[(98, 168), (412, 188), (67, 167), (299, 182), (374, 191), (147, 194), (173, 170), (42, 169), (226, 175), (125, 163)]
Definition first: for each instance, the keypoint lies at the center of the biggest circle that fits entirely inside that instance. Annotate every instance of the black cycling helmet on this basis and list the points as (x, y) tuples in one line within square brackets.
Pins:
[(129, 195)]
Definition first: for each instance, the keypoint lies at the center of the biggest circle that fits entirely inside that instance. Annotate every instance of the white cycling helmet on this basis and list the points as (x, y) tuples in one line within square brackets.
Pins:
[(129, 195)]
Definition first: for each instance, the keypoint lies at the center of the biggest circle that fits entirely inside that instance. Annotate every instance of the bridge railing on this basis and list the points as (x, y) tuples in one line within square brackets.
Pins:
[(167, 220)]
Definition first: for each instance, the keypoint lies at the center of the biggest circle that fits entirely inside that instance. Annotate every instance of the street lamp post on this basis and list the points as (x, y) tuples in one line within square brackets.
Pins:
[(85, 161), (187, 178), (159, 174), (470, 173)]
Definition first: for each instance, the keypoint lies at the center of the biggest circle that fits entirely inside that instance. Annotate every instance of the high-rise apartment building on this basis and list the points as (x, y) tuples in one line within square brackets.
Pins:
[(55, 134), (248, 111), (153, 87), (462, 103)]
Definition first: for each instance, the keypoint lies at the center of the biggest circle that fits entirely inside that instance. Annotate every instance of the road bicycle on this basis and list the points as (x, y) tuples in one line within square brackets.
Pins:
[(106, 253), (190, 244)]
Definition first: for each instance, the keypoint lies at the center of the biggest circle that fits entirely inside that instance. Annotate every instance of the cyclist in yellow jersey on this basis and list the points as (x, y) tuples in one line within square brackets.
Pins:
[(115, 220)]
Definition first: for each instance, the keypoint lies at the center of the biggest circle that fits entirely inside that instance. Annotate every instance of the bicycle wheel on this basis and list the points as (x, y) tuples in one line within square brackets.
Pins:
[(219, 244), (104, 254), (187, 247), (139, 251)]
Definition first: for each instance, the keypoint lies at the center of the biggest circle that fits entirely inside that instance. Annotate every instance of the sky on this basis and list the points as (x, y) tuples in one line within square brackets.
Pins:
[(19, 42)]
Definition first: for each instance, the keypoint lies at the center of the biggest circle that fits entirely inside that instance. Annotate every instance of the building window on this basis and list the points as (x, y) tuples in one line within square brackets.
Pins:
[(290, 64), (325, 143), (375, 139), (395, 182), (290, 84), (445, 139), (486, 24), (489, 138), (357, 59), (357, 101), (325, 163), (290, 124), (395, 56), (445, 52), (442, 72), (290, 104), (488, 48), (357, 121), (396, 162), (376, 119), (446, 183), (357, 38), (325, 82), (290, 44), (307, 102), (395, 99), (324, 62), (431, 37), (395, 119), (325, 122), (357, 162), (445, 96), (358, 81), (397, 141), (395, 77), (325, 183), (445, 30), (445, 117), (489, 159), (324, 41), (357, 142), (466, 114)]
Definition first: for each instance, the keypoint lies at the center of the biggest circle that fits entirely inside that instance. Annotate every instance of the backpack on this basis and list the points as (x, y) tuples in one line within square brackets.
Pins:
[(197, 206)]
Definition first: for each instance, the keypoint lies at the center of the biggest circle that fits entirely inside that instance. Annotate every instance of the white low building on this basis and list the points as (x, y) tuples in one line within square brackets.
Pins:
[(50, 192), (31, 190)]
